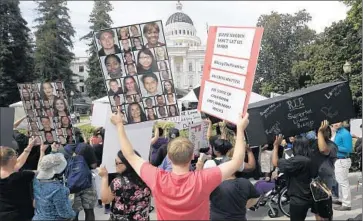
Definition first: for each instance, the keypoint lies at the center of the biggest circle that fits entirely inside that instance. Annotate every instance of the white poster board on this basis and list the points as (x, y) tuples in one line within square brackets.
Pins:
[(138, 134), (198, 135), (230, 65), (355, 127)]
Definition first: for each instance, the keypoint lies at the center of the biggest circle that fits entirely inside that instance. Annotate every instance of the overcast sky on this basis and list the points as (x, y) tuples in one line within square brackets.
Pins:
[(240, 13)]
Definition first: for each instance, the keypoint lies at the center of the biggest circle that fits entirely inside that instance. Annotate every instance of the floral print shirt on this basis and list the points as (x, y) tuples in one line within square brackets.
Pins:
[(131, 200)]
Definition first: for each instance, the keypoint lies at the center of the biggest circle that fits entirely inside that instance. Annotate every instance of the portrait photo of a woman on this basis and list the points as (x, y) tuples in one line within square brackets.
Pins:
[(30, 113), (61, 94), (151, 114), (113, 66), (173, 111), (37, 104), (131, 69), (36, 95), (136, 43), (62, 140), (163, 66), (49, 113), (47, 92), (151, 32), (146, 62), (134, 29), (125, 45), (135, 113), (160, 53), (60, 108), (35, 88), (49, 138), (25, 94), (129, 58), (59, 85), (28, 105), (46, 104), (123, 33), (130, 86), (168, 87), (170, 99)]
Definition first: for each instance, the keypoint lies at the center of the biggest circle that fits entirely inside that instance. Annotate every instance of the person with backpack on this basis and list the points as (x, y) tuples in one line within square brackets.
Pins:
[(50, 194), (181, 194), (129, 195), (81, 161)]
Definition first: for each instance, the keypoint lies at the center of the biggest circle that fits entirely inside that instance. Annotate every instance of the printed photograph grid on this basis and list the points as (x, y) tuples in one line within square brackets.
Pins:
[(135, 64), (47, 110)]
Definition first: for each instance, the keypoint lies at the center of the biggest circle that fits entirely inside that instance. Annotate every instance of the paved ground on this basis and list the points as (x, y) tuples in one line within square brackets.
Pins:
[(261, 213)]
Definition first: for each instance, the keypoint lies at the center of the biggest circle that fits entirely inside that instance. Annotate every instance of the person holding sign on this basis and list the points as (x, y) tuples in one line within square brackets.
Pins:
[(107, 42), (146, 62), (113, 66), (194, 187), (151, 32), (135, 113)]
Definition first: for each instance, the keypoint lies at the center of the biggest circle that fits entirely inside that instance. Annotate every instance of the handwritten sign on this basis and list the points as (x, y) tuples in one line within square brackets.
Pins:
[(299, 111), (188, 118), (230, 64), (198, 135)]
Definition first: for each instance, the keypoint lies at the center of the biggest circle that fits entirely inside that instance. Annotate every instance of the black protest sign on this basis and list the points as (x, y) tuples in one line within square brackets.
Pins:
[(299, 111), (6, 126), (136, 71)]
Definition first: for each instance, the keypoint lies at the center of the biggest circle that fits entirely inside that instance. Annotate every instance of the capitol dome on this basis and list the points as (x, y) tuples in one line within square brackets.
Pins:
[(180, 30)]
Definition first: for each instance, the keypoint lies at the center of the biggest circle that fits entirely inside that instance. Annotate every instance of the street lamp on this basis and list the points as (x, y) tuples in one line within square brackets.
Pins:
[(347, 68)]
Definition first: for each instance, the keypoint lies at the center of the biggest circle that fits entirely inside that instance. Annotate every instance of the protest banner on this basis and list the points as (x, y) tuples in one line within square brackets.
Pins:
[(136, 70), (198, 136), (47, 111), (6, 127), (230, 65), (299, 112), (188, 118)]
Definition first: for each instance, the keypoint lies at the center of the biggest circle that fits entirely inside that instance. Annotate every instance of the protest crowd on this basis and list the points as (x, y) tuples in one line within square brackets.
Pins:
[(44, 183)]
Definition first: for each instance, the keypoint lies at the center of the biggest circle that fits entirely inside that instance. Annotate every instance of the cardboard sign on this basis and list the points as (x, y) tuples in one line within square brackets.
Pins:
[(138, 134), (6, 126), (48, 112), (299, 111), (198, 135), (136, 69), (188, 118), (230, 65)]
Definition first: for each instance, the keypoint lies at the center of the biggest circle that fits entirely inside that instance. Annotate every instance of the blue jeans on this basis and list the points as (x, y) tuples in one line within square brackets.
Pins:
[(335, 189)]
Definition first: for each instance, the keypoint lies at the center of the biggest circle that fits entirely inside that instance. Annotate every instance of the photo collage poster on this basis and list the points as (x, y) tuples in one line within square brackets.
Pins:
[(136, 69), (47, 112)]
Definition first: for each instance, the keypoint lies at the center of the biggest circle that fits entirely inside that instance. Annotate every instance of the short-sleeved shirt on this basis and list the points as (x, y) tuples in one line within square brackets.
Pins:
[(298, 173), (181, 197), (89, 155), (16, 196), (229, 199), (131, 200)]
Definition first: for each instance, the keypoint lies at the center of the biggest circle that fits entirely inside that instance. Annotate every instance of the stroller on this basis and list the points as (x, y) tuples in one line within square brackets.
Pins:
[(276, 196)]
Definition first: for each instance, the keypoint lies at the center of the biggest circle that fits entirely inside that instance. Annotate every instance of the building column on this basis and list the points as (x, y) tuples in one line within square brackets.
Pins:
[(185, 73)]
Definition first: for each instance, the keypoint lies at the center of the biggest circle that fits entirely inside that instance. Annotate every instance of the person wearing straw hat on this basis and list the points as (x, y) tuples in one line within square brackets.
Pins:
[(50, 195)]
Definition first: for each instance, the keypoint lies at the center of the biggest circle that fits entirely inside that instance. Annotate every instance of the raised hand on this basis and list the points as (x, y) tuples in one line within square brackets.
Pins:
[(323, 126), (55, 147), (117, 118), (243, 122), (278, 140), (31, 142), (102, 171)]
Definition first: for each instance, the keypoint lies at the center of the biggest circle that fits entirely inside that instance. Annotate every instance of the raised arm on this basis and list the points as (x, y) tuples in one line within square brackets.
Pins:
[(106, 194), (322, 145), (230, 167), (24, 156), (18, 122), (275, 152), (156, 134), (210, 129), (251, 164), (126, 147)]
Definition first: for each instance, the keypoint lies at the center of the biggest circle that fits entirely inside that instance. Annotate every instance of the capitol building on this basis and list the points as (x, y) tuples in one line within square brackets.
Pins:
[(186, 54)]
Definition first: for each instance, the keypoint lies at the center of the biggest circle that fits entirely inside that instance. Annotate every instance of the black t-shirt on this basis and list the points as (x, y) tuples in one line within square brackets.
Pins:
[(16, 197), (98, 149), (298, 173), (228, 201), (89, 155), (102, 51)]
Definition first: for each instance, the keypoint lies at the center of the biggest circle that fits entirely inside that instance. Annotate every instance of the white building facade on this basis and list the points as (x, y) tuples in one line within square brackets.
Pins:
[(186, 53), (79, 67)]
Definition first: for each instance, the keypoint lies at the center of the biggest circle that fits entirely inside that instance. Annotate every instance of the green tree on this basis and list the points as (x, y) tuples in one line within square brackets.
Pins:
[(355, 13), (16, 52), (99, 19), (54, 34), (325, 58), (284, 36)]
